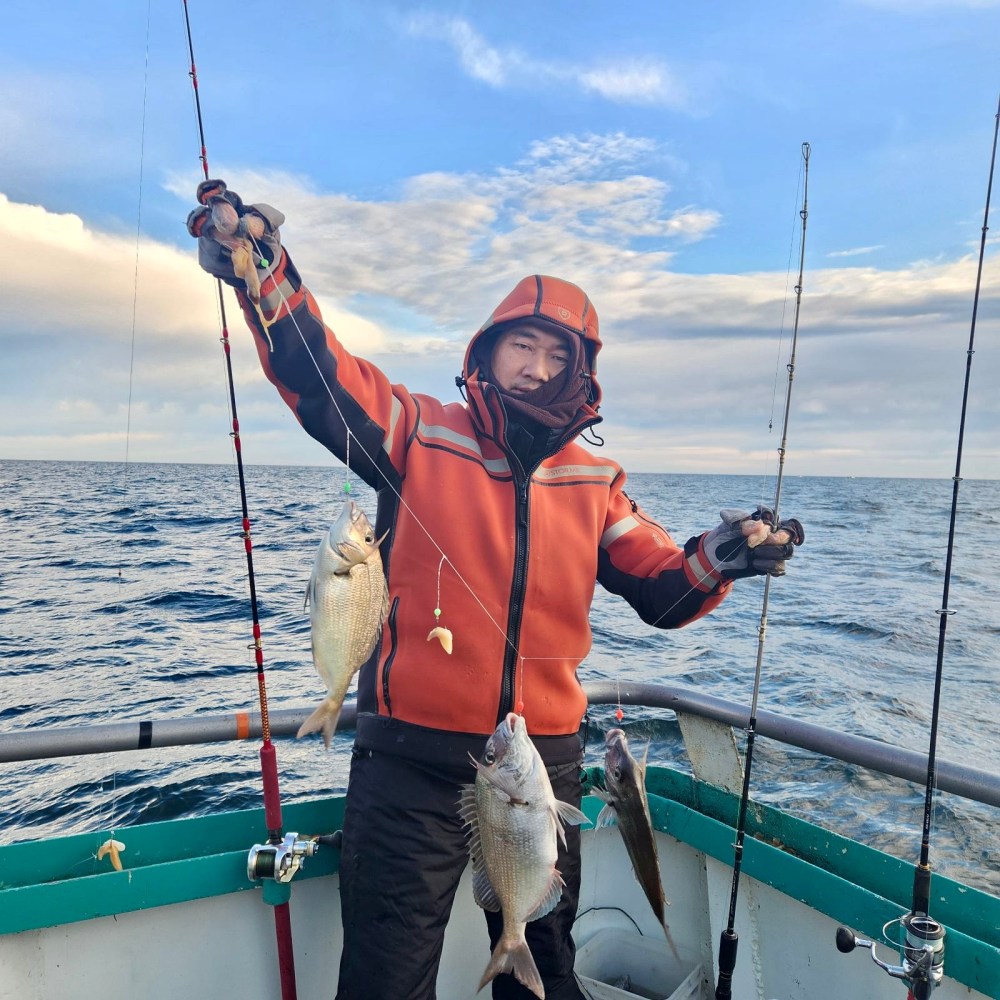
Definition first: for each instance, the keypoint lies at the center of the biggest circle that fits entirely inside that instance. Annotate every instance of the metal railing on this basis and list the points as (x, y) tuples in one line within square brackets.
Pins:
[(969, 782)]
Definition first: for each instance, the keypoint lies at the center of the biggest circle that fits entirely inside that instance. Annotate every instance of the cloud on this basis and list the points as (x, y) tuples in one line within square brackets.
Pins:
[(693, 370), (855, 251), (479, 59), (55, 263), (571, 204), (639, 80)]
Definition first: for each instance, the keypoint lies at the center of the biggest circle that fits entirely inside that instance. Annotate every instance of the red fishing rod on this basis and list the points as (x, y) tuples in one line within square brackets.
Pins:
[(277, 861), (922, 937)]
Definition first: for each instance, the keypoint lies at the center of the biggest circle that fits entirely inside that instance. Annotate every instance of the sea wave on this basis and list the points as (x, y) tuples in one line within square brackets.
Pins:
[(132, 603)]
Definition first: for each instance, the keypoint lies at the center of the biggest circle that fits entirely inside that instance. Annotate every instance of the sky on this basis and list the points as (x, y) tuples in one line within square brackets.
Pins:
[(429, 155)]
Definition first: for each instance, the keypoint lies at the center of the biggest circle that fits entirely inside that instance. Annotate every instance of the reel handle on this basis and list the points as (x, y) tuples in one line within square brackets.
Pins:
[(847, 940)]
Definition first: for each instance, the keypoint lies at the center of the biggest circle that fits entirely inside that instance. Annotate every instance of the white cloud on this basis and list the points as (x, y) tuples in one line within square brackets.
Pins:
[(65, 276), (575, 204), (854, 251), (638, 80), (479, 59), (691, 370)]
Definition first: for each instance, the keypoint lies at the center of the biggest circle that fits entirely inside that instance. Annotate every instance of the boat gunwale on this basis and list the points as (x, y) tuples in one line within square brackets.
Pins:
[(781, 852)]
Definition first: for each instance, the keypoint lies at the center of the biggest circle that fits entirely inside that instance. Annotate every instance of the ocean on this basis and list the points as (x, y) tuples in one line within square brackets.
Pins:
[(123, 597)]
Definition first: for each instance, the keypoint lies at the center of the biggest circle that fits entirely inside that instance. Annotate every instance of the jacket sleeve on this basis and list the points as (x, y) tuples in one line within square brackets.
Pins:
[(668, 586), (344, 402)]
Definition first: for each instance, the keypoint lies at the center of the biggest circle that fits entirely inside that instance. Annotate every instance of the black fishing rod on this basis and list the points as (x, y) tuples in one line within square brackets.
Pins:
[(729, 939), (277, 861), (922, 948)]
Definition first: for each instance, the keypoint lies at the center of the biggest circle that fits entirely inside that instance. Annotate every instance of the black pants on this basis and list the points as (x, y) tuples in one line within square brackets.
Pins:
[(403, 853)]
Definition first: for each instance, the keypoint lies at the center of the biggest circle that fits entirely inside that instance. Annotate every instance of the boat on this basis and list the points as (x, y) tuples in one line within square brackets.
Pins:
[(184, 916)]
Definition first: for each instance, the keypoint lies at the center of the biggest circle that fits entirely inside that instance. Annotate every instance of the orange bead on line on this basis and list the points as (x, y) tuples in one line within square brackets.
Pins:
[(519, 708), (619, 714)]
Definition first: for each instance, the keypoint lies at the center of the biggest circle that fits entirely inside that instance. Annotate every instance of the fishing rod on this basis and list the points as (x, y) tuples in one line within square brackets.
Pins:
[(729, 939), (277, 861), (922, 945)]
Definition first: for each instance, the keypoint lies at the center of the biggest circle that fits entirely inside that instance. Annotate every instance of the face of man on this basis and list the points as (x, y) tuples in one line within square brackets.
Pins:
[(527, 357)]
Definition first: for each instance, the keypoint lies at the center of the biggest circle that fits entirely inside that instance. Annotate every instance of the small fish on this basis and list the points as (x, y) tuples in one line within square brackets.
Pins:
[(514, 819), (239, 234), (347, 599), (626, 804)]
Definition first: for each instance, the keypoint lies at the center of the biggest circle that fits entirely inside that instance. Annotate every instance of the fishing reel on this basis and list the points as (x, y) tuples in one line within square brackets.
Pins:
[(279, 861), (922, 952)]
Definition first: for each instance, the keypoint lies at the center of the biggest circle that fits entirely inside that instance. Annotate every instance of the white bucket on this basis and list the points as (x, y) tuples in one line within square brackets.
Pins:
[(617, 964)]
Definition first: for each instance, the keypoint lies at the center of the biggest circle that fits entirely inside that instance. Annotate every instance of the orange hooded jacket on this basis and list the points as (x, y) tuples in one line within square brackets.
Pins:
[(521, 549)]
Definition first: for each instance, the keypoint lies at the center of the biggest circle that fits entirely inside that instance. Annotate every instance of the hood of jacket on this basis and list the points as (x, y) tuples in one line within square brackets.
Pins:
[(554, 303)]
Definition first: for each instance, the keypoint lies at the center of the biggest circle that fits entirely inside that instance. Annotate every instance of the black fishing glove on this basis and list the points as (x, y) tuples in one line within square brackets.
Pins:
[(221, 220), (736, 548)]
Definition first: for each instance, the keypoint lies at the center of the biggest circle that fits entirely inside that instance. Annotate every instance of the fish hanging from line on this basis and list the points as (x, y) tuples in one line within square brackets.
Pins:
[(627, 805), (240, 235), (514, 820), (347, 599)]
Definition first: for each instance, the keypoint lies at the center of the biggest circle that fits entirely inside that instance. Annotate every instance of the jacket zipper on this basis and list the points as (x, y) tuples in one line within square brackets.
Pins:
[(389, 659), (515, 608)]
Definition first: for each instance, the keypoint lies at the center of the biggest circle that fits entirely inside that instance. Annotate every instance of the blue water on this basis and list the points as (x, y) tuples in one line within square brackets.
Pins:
[(123, 596)]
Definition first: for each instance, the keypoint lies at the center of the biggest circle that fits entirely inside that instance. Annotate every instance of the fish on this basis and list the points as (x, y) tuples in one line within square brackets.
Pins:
[(627, 806), (235, 233), (514, 820), (348, 598), (240, 235)]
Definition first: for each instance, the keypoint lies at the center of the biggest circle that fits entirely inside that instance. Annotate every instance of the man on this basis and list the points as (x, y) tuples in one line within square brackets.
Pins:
[(498, 525)]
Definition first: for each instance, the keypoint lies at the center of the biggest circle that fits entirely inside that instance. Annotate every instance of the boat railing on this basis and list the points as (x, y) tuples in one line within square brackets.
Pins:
[(71, 741)]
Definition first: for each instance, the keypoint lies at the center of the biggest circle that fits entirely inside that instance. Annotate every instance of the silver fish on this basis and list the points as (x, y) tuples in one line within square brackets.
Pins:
[(627, 805), (347, 599), (514, 820)]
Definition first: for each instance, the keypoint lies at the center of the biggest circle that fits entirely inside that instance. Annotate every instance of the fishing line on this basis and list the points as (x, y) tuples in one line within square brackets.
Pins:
[(729, 940), (398, 495), (784, 301), (268, 756), (283, 305), (358, 444), (112, 825), (784, 306)]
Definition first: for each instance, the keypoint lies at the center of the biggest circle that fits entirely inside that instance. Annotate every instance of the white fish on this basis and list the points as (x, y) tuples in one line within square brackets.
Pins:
[(347, 599), (514, 820)]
